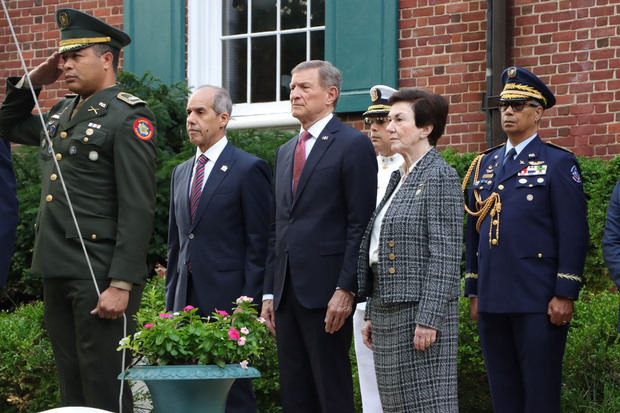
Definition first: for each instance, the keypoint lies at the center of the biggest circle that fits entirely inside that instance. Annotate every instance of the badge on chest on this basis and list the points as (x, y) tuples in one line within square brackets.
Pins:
[(532, 170)]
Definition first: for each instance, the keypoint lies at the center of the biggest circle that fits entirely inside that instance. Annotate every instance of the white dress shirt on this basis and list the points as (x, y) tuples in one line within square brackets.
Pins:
[(212, 153), (387, 165), (373, 257)]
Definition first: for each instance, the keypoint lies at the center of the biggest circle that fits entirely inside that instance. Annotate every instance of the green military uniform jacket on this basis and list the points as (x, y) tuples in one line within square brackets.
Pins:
[(107, 155)]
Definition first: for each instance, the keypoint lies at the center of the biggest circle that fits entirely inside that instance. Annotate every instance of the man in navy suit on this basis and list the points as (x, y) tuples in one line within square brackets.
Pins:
[(220, 212), (325, 189), (526, 245), (611, 239), (8, 210)]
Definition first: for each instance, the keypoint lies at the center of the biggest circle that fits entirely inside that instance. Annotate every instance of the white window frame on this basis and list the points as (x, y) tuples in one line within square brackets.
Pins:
[(204, 63)]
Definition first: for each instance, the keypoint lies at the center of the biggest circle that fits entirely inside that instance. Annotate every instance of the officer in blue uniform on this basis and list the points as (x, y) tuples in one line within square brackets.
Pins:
[(526, 243)]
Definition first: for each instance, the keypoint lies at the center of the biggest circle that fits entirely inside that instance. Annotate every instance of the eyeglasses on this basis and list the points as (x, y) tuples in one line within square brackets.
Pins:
[(516, 105), (380, 120)]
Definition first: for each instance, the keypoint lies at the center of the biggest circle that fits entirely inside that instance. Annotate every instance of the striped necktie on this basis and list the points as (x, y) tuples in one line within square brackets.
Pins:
[(194, 196)]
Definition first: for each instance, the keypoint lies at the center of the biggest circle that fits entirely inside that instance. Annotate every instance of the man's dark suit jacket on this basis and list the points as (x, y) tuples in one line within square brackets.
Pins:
[(318, 231), (8, 210), (227, 243)]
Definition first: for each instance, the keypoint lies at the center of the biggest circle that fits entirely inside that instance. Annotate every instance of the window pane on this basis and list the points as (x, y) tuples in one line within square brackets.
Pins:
[(234, 17), (234, 69), (317, 10), (293, 14), (293, 51), (263, 69), (263, 15), (317, 45)]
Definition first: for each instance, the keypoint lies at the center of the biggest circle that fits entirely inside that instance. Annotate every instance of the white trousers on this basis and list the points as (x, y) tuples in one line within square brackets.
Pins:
[(371, 403)]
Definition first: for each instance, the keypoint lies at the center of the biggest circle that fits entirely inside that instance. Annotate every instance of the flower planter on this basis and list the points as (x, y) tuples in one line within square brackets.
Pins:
[(189, 389)]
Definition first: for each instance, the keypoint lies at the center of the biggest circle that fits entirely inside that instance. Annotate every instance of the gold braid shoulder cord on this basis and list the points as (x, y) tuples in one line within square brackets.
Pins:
[(492, 204)]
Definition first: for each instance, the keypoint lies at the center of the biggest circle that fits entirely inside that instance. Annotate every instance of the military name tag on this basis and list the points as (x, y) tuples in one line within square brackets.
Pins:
[(531, 170)]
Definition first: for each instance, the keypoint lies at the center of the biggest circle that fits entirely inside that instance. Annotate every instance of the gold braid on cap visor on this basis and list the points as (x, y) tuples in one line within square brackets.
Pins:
[(517, 91), (71, 43), (492, 204)]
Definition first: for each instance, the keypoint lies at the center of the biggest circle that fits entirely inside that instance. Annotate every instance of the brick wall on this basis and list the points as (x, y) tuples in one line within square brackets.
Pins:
[(38, 34), (573, 45)]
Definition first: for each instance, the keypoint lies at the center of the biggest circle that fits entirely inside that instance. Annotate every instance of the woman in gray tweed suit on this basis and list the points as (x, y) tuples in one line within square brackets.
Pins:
[(409, 264)]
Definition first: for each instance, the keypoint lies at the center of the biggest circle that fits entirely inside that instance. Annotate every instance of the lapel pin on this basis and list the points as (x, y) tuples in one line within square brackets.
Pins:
[(324, 138), (224, 168), (102, 104), (521, 162), (92, 109), (532, 155)]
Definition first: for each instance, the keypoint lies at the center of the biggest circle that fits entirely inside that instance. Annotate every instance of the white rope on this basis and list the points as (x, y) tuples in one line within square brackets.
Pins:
[(64, 188)]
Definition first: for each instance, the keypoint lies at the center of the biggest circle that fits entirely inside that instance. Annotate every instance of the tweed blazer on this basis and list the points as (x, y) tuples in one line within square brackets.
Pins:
[(420, 243)]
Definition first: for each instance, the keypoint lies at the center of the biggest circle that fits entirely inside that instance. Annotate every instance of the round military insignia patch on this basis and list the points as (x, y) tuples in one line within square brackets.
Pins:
[(512, 72), (574, 173), (143, 129)]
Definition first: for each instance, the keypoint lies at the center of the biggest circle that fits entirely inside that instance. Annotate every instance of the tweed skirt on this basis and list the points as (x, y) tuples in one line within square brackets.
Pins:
[(410, 380)]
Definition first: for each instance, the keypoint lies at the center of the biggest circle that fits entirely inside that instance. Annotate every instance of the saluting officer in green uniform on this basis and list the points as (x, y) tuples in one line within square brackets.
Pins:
[(103, 142)]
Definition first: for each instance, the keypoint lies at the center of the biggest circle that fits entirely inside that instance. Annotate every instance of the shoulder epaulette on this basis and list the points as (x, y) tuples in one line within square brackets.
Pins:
[(129, 98), (559, 147), (492, 149)]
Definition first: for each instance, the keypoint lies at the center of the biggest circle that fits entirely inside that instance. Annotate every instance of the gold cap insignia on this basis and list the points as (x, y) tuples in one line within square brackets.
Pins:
[(63, 19)]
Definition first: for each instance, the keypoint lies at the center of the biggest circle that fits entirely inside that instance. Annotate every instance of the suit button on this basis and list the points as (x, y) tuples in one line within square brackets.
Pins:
[(392, 256), (495, 222), (49, 198), (85, 139), (58, 156), (539, 255), (392, 270), (191, 235), (53, 177), (494, 241), (63, 134), (391, 243), (93, 237), (500, 187)]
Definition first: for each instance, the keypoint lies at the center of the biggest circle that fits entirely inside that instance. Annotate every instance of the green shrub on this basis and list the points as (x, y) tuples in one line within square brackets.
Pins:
[(28, 380), (591, 374)]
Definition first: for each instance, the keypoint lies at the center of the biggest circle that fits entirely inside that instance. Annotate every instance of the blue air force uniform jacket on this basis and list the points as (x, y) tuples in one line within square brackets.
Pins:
[(536, 248)]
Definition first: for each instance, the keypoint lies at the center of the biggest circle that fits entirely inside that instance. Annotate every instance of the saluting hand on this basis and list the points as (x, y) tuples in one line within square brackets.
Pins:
[(112, 303), (47, 72)]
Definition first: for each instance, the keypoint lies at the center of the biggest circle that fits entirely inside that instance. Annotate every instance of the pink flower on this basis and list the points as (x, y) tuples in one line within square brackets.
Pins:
[(244, 298), (149, 325), (245, 330), (244, 364), (188, 308), (233, 334), (222, 313), (261, 320), (241, 341), (165, 315)]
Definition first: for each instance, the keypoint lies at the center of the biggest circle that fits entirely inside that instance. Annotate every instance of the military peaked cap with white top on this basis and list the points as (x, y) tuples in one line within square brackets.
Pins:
[(79, 30), (379, 94)]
